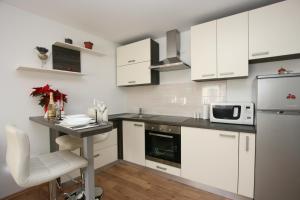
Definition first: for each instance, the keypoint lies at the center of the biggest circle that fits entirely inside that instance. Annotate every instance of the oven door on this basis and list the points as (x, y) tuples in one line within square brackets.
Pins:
[(163, 147)]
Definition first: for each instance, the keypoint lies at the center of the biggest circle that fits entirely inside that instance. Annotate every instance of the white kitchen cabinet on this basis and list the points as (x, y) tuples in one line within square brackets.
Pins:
[(219, 49), (232, 46), (134, 53), (134, 142), (246, 164), (210, 157), (133, 62), (105, 152), (204, 51), (274, 30), (137, 74)]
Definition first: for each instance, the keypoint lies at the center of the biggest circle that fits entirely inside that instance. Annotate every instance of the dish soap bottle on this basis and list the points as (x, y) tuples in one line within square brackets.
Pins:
[(51, 108)]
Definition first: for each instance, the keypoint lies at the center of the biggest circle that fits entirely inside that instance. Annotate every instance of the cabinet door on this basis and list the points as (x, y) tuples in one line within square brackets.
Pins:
[(232, 46), (135, 74), (210, 157), (246, 164), (274, 30), (134, 142), (134, 53), (204, 51)]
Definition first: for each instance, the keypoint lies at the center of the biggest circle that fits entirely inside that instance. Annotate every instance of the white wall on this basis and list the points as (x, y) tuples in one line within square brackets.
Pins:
[(178, 84), (20, 33)]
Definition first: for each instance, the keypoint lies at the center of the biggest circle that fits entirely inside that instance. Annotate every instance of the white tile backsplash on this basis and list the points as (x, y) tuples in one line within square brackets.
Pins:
[(179, 99)]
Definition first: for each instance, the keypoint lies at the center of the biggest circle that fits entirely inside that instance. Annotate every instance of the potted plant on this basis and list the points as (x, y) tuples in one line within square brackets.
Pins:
[(43, 93)]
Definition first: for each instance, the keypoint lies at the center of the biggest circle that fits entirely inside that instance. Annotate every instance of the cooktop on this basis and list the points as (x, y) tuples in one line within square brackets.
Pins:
[(168, 119)]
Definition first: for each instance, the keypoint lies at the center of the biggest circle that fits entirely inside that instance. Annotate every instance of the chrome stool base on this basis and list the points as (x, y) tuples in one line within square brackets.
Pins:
[(79, 194)]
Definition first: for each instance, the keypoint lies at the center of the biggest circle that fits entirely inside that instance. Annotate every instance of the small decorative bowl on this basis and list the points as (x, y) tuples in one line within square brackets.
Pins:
[(88, 45)]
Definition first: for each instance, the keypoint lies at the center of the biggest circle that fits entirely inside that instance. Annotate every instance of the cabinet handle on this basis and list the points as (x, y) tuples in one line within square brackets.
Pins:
[(226, 73), (208, 75), (131, 61), (139, 125), (161, 135), (131, 81), (162, 168), (226, 135), (260, 53), (247, 143), (97, 155)]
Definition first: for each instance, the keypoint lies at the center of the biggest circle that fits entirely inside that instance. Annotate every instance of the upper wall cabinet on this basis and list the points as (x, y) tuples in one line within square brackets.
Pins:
[(133, 62), (204, 51), (274, 30), (134, 53), (232, 46), (219, 49)]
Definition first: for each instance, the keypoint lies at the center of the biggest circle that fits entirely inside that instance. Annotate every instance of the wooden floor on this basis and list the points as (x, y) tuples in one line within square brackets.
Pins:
[(125, 181)]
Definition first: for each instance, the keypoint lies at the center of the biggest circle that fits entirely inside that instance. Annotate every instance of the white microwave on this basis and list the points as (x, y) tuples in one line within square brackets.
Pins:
[(232, 113)]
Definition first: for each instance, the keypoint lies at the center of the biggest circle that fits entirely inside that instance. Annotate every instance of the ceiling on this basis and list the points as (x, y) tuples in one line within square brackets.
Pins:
[(124, 21)]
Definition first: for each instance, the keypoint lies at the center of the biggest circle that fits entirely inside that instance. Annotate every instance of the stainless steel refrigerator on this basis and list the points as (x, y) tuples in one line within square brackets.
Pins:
[(277, 168)]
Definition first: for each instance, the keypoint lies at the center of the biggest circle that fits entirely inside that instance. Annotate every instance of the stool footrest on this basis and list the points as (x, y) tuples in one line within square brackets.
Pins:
[(79, 194)]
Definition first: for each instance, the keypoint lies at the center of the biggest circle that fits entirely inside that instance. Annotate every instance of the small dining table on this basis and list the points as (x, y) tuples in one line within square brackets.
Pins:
[(86, 134)]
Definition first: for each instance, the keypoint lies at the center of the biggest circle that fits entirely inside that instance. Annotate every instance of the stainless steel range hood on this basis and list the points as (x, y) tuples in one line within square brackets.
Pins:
[(172, 62)]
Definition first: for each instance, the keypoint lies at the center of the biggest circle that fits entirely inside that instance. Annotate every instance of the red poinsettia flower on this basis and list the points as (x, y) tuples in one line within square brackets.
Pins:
[(44, 94)]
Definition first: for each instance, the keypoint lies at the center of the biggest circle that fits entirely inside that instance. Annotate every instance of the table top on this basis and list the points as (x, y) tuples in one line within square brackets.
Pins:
[(53, 124)]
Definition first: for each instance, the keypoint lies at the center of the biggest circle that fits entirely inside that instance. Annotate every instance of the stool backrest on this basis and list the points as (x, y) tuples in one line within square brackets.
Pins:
[(17, 154)]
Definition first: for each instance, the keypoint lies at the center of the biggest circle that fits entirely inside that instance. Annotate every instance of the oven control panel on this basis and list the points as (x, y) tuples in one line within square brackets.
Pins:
[(162, 128)]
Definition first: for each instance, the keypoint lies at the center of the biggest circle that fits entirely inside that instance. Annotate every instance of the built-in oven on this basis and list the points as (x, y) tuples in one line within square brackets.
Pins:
[(163, 144)]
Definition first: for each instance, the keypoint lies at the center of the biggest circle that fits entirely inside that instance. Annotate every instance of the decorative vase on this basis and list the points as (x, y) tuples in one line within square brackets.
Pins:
[(42, 54)]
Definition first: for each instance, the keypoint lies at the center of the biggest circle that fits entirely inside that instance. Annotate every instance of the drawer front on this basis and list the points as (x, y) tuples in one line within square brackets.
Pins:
[(110, 141), (134, 53), (105, 156), (163, 168), (136, 74)]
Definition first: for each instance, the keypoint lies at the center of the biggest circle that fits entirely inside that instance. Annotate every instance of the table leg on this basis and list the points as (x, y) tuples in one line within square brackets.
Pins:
[(52, 190), (89, 172), (54, 147), (53, 135)]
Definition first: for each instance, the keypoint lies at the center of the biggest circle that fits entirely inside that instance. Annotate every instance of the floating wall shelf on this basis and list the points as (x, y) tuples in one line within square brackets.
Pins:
[(78, 48), (44, 70)]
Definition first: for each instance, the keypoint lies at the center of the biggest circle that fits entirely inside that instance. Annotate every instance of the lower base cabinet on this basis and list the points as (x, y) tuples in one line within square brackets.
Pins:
[(210, 157), (134, 142), (246, 165), (105, 152)]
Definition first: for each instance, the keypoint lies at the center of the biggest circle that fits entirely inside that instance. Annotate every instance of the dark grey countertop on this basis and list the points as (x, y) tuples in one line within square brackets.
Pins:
[(52, 124), (183, 121)]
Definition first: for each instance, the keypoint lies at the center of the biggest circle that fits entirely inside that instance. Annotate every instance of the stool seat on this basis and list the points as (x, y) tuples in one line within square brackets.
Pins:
[(51, 166), (28, 171), (71, 143), (67, 142)]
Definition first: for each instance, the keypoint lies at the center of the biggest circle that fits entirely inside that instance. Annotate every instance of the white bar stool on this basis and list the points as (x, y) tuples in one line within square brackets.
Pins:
[(71, 143), (28, 172)]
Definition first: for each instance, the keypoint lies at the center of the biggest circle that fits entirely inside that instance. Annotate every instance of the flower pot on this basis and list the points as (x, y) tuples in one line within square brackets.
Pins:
[(88, 45)]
